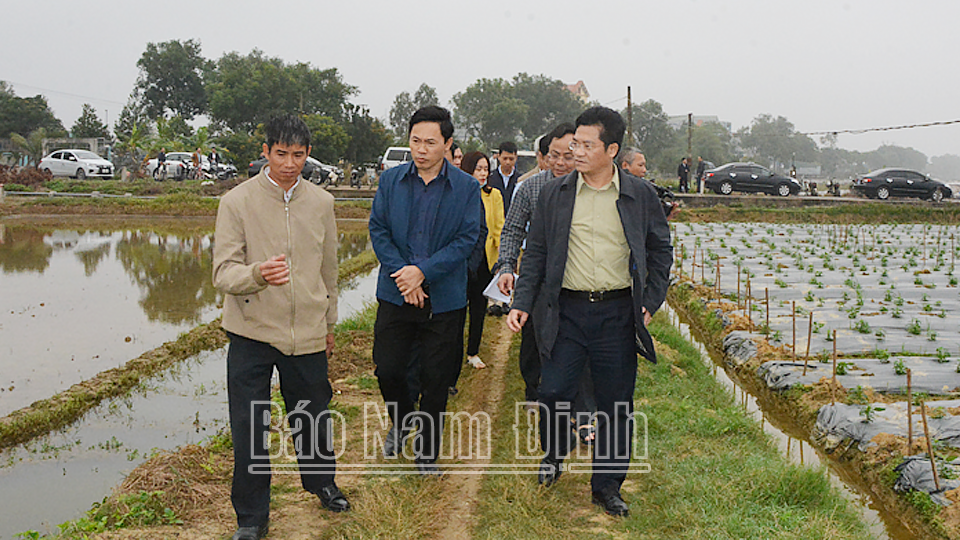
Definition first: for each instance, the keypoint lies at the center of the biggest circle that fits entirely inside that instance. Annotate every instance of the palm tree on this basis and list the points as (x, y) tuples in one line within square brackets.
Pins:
[(31, 145)]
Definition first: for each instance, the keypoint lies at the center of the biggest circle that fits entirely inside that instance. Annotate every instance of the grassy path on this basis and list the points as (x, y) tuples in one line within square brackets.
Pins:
[(714, 474)]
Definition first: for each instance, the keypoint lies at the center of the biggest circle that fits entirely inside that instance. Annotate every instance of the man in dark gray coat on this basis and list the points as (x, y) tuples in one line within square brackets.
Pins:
[(595, 270)]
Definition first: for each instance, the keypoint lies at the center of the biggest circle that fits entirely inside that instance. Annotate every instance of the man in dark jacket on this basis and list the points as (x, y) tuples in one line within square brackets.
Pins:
[(595, 270), (424, 223), (683, 175), (505, 176)]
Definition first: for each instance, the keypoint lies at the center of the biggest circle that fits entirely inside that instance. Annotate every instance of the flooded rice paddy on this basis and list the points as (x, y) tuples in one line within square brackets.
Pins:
[(71, 296)]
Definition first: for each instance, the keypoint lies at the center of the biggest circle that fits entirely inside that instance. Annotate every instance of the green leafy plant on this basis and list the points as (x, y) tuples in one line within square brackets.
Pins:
[(899, 367), (882, 355), (914, 328), (844, 367), (942, 355), (868, 412), (862, 326), (880, 334)]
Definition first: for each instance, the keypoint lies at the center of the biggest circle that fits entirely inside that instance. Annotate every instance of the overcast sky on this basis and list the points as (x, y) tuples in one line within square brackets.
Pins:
[(823, 64)]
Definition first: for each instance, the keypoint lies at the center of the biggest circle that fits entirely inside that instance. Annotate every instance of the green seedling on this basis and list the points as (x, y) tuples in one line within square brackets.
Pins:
[(899, 367), (862, 326), (843, 367), (914, 328), (880, 334), (882, 355), (942, 355), (868, 412)]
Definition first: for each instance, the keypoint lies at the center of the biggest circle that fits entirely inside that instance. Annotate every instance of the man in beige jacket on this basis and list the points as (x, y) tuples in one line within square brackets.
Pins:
[(275, 260)]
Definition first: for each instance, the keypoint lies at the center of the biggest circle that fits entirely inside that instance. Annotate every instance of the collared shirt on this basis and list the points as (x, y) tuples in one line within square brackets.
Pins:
[(423, 212), (287, 193), (518, 217), (598, 257)]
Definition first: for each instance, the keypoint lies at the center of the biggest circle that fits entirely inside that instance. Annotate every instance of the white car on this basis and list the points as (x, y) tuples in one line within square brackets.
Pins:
[(178, 164), (395, 155), (76, 163)]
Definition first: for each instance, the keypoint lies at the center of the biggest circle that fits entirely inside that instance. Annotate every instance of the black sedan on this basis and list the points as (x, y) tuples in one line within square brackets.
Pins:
[(749, 178), (890, 182)]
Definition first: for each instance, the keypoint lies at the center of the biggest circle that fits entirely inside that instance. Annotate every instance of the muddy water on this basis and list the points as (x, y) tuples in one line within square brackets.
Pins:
[(796, 449), (76, 299), (83, 464)]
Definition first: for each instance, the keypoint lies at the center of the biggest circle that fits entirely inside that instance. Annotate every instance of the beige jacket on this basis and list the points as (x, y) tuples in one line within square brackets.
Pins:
[(254, 224)]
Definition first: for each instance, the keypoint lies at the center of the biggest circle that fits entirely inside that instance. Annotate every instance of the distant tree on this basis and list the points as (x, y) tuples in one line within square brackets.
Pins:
[(654, 136), (945, 167), (31, 145), (404, 106), (240, 148), (368, 136), (172, 77), (488, 110), (89, 125), (134, 113), (25, 115), (774, 141), (246, 91), (890, 155), (548, 103), (328, 138), (840, 163)]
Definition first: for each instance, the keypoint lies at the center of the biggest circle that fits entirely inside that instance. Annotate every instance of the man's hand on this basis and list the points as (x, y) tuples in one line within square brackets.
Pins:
[(516, 319), (647, 317), (505, 283), (330, 345), (407, 279), (415, 297), (275, 270)]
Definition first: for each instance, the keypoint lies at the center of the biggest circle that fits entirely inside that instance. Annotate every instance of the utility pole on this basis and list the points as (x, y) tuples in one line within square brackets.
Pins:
[(689, 143), (629, 118)]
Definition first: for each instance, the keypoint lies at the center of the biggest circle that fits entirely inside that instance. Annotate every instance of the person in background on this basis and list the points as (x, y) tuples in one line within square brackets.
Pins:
[(701, 170), (477, 164), (683, 175), (505, 178)]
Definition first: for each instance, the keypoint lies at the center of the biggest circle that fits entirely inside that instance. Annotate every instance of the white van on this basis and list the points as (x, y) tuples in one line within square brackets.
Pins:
[(395, 155)]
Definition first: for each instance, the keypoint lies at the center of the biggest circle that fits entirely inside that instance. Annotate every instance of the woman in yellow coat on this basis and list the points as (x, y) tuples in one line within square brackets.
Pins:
[(478, 165)]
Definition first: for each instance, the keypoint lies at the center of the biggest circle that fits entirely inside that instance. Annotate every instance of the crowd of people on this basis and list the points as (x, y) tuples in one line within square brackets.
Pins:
[(581, 243)]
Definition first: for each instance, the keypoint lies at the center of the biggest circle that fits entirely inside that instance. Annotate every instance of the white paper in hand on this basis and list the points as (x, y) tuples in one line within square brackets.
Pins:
[(493, 292)]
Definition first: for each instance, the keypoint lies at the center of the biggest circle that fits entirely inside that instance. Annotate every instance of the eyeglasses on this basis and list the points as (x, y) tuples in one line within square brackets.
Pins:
[(558, 156), (588, 146)]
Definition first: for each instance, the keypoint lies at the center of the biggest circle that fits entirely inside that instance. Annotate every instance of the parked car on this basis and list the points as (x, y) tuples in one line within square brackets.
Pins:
[(313, 170), (76, 163), (395, 155), (891, 182), (178, 165), (749, 178)]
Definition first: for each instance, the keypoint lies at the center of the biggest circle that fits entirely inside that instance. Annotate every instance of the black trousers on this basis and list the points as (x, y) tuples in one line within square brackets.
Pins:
[(530, 361), (437, 340), (600, 334), (303, 379), (477, 306)]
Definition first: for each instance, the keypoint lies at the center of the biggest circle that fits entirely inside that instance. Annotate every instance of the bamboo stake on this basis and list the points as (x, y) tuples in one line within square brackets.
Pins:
[(909, 412), (703, 265), (926, 434), (806, 358), (833, 385), (693, 266), (738, 287), (766, 301), (749, 305), (718, 282), (793, 315)]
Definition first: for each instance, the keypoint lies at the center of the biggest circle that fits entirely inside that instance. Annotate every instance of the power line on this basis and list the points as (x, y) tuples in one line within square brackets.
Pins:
[(889, 128), (68, 94)]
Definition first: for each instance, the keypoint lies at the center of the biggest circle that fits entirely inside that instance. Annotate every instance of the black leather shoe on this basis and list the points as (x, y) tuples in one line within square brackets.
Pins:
[(251, 533), (391, 445), (333, 499), (549, 471), (612, 504), (429, 469)]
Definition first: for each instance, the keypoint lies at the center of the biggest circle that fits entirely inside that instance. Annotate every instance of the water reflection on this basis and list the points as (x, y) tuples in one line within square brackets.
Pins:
[(23, 250), (173, 274), (78, 297)]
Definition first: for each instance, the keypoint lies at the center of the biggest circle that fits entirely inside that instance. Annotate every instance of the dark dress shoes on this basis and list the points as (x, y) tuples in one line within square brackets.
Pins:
[(393, 443), (611, 503), (429, 469), (333, 499), (549, 471), (251, 533)]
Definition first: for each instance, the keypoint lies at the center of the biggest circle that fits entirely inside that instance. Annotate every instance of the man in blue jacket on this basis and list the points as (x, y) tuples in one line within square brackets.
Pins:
[(424, 224)]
